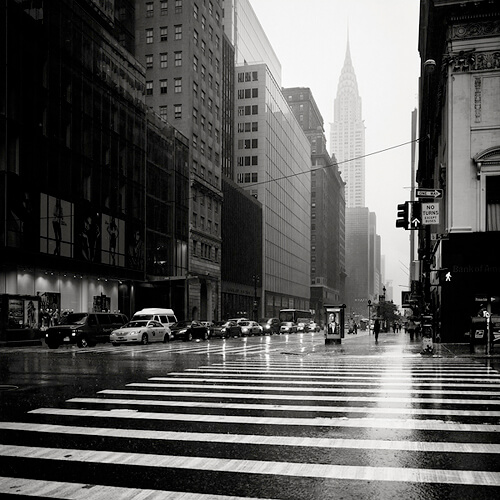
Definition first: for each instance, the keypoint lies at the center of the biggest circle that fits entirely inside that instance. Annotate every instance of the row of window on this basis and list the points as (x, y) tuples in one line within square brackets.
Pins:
[(208, 152), (205, 251), (248, 177), (164, 86), (163, 34), (164, 59), (205, 125), (248, 127), (248, 143), (177, 112), (208, 176), (246, 161), (248, 93), (248, 110), (248, 76), (205, 224)]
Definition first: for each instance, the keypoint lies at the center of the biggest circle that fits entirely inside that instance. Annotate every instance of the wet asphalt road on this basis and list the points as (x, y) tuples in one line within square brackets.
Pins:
[(282, 417)]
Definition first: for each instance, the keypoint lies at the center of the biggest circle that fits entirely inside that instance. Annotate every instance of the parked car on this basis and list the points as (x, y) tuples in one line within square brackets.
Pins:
[(189, 330), (250, 328), (270, 326), (237, 320), (302, 327), (209, 325), (288, 327), (143, 331), (84, 329), (225, 329), (165, 316), (314, 327)]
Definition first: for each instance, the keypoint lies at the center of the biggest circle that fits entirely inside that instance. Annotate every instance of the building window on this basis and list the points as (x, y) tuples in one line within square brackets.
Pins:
[(177, 85), (164, 7), (177, 111), (149, 36), (163, 60), (149, 61), (195, 37), (195, 64), (493, 203), (163, 34), (178, 6), (255, 110), (149, 9), (149, 88), (163, 86), (195, 11), (178, 58), (178, 32), (163, 112)]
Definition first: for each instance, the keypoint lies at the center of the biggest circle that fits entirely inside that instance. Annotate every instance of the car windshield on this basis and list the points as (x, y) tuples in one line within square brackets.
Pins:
[(219, 323), (245, 323), (74, 319), (136, 324), (182, 324)]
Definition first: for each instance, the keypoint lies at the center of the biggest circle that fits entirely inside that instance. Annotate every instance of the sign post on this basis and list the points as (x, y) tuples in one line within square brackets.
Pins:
[(334, 332)]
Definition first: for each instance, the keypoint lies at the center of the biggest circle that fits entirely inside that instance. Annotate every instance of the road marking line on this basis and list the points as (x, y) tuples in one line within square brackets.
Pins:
[(268, 468), (84, 491), (404, 390), (321, 386), (370, 376), (212, 437), (302, 397), (377, 423), (296, 408)]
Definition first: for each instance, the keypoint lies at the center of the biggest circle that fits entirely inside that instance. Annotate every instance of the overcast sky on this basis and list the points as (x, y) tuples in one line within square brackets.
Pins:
[(310, 38)]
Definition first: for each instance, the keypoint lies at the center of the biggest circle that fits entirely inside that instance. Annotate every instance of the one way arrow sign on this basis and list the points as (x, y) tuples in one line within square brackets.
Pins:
[(429, 193)]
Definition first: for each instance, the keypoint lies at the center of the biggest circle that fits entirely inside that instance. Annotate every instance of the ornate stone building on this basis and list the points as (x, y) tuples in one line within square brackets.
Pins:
[(459, 121)]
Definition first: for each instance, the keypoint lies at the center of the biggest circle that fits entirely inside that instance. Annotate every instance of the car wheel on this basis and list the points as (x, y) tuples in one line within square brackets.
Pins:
[(82, 342), (144, 339), (188, 337), (166, 338), (52, 345), (205, 336)]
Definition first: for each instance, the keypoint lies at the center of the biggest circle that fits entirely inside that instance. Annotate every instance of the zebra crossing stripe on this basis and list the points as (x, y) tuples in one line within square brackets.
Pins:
[(303, 397), (323, 386), (255, 439), (267, 468), (273, 407), (295, 375), (83, 491), (382, 390), (374, 423)]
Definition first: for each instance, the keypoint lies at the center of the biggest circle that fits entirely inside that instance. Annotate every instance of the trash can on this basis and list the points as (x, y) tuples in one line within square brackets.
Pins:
[(427, 341), (479, 336)]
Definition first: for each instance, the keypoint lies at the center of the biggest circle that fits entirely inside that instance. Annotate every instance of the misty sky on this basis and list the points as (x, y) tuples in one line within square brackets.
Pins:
[(310, 38)]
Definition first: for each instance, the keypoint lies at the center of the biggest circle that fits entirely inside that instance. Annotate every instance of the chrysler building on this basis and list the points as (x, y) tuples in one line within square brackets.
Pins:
[(347, 135)]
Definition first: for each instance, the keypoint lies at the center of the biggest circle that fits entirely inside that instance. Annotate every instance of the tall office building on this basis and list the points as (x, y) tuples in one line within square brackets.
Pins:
[(273, 162), (362, 243), (181, 46), (327, 206), (347, 134)]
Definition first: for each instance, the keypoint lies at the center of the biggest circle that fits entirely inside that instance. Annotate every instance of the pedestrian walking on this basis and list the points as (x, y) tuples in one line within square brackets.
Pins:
[(376, 329)]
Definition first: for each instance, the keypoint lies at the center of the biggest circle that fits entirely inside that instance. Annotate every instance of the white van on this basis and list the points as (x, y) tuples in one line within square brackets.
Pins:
[(165, 316)]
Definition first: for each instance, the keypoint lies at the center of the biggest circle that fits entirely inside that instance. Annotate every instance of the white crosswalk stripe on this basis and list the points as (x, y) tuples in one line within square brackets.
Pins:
[(266, 417)]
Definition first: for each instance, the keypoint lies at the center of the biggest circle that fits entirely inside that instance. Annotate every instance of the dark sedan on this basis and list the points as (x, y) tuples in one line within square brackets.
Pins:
[(225, 329), (189, 330)]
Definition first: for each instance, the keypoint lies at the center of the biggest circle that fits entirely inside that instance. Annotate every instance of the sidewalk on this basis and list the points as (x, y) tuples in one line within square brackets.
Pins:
[(392, 344)]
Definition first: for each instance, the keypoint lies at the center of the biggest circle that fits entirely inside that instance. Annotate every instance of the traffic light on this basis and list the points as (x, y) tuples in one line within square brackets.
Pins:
[(409, 215), (415, 219), (403, 219)]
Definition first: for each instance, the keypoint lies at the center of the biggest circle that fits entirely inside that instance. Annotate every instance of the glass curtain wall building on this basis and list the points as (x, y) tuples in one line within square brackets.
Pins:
[(273, 163)]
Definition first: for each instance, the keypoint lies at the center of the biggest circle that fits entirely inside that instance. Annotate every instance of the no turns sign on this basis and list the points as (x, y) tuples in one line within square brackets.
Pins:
[(430, 213)]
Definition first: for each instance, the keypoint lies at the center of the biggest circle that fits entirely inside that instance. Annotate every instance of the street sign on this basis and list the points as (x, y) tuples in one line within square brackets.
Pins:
[(430, 213), (429, 193)]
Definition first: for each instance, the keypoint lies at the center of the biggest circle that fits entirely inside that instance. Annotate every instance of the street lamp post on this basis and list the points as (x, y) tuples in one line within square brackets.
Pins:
[(256, 279), (369, 315)]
